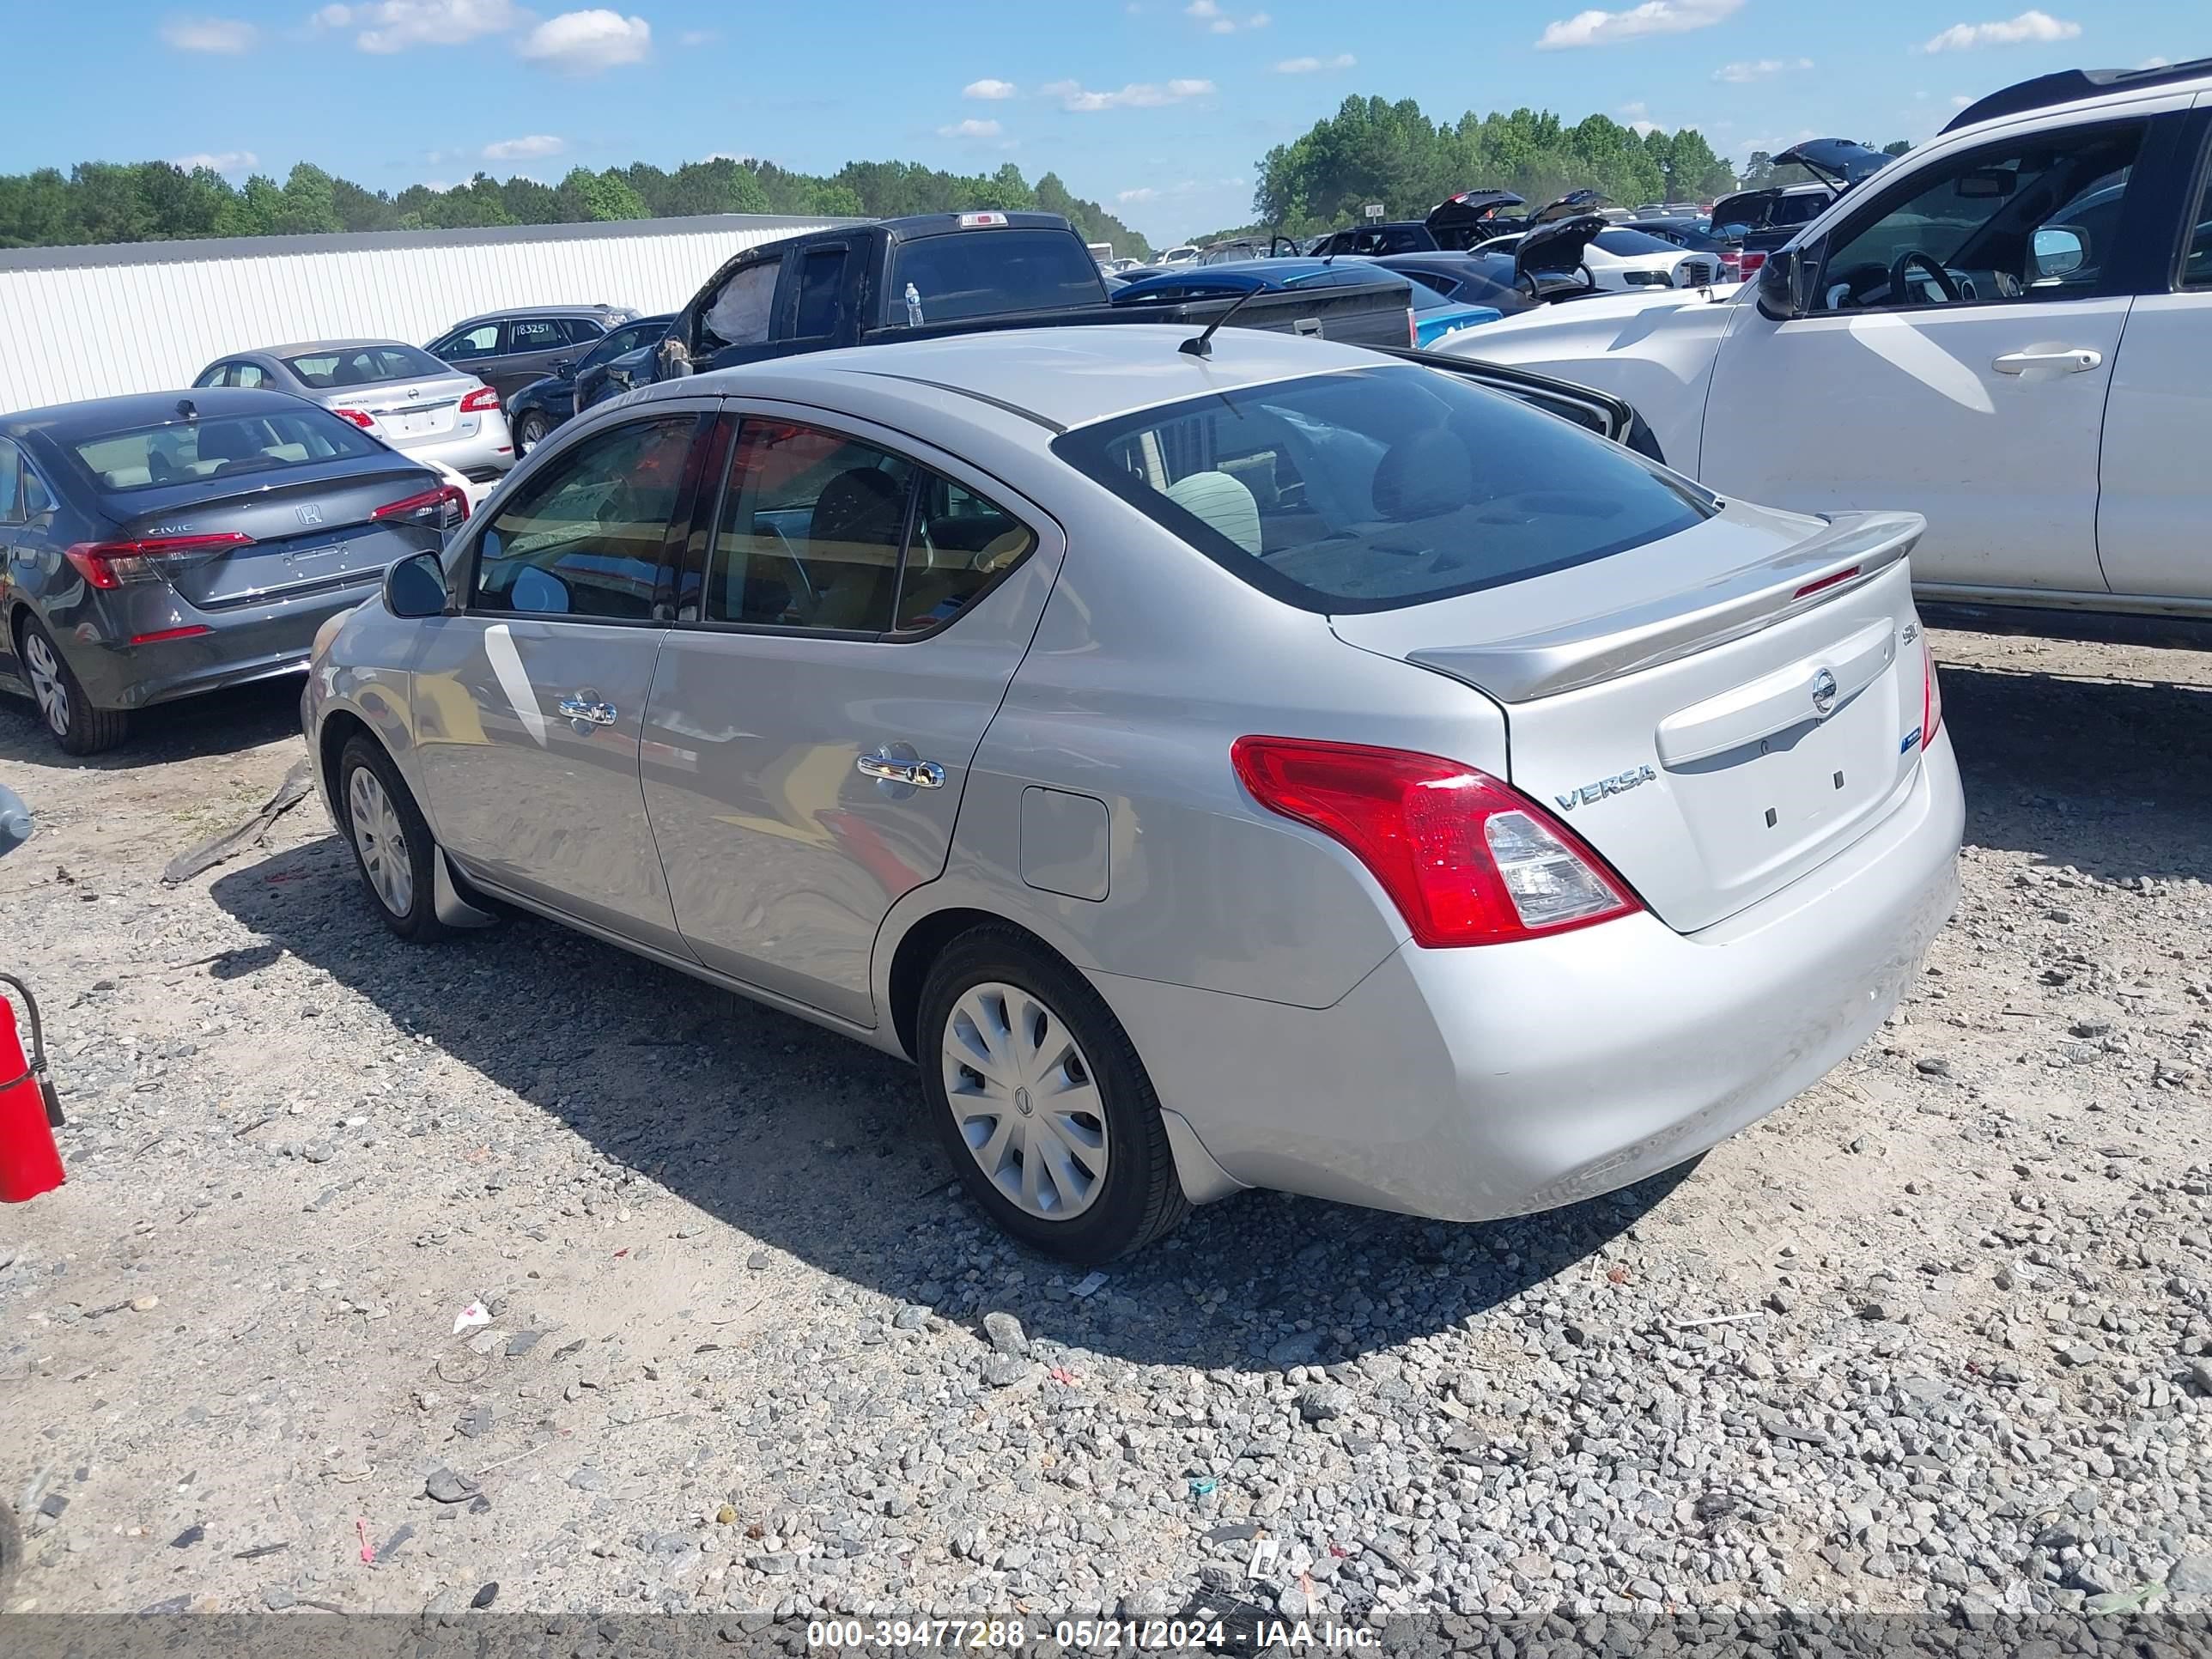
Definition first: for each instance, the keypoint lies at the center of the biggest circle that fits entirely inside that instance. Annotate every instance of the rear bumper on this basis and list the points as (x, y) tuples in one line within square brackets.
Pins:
[(256, 643), (1477, 1084), (489, 450)]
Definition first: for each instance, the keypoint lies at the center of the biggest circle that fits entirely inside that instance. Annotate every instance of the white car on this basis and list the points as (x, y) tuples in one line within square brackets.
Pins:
[(1615, 260), (1179, 256), (2008, 329)]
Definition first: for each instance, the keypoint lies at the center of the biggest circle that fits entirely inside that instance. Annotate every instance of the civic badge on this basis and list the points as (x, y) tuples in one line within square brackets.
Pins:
[(310, 513), (1824, 693)]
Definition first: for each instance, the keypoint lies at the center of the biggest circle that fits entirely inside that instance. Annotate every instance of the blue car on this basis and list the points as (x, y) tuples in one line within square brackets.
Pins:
[(1434, 315)]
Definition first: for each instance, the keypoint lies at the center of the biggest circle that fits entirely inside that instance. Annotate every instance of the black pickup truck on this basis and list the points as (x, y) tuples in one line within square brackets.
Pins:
[(959, 273)]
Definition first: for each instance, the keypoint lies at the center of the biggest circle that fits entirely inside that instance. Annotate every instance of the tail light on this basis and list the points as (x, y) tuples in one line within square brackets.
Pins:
[(442, 508), (360, 417), (476, 402), (1931, 698), (1466, 858), (1413, 328), (1732, 267), (109, 565), (1747, 264)]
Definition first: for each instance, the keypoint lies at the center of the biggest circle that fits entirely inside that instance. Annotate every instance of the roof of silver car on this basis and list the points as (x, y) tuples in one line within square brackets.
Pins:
[(1062, 377), (301, 348)]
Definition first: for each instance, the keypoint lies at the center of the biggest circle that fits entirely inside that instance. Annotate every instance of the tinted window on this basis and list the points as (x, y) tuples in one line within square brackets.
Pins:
[(1628, 243), (480, 341), (536, 334), (982, 273), (1379, 488), (581, 331), (13, 508), (1799, 209), (821, 294), (248, 374), (626, 339), (357, 366), (2028, 218), (810, 531), (221, 447), (2196, 251), (589, 535), (215, 376)]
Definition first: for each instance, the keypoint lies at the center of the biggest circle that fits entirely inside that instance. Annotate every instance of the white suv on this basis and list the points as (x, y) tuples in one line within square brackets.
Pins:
[(2008, 329)]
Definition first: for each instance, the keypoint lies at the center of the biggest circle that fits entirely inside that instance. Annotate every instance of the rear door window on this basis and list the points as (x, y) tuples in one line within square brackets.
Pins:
[(1380, 488), (536, 334), (820, 303), (810, 530)]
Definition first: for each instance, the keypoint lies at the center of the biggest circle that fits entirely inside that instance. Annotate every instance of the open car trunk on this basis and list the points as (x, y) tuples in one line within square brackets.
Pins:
[(1471, 216), (1717, 714), (1836, 161)]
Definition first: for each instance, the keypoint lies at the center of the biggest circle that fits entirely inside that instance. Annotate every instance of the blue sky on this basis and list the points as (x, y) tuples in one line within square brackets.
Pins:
[(1158, 107)]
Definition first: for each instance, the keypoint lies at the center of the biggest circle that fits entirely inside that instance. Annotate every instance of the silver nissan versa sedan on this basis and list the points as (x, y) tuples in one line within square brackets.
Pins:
[(1289, 766)]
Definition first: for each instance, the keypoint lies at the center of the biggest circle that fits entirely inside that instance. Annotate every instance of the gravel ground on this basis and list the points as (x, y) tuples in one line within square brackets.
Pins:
[(1936, 1336)]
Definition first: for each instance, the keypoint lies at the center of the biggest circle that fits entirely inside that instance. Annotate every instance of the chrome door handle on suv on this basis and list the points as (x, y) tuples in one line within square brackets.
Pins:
[(588, 710), (921, 773)]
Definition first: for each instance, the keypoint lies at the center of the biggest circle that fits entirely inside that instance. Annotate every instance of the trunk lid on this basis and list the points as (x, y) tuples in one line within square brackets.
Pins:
[(1716, 713), (407, 411), (1838, 160), (1556, 247), (1469, 216), (311, 527)]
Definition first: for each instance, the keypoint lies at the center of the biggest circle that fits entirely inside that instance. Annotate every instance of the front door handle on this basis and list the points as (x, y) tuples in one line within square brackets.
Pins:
[(2068, 359), (588, 710), (921, 773)]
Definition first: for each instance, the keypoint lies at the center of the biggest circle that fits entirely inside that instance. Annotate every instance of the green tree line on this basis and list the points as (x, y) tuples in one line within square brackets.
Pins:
[(1372, 150), (157, 201)]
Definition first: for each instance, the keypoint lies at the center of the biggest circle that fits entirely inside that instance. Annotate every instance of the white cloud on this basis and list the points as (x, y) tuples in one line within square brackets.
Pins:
[(2030, 28), (1763, 69), (970, 129), (1127, 198), (988, 89), (536, 146), (388, 25), (691, 38), (224, 34), (1633, 111), (1343, 60), (2155, 62), (225, 160), (1959, 100), (586, 42), (1185, 187), (1219, 22), (1141, 94), (1606, 28)]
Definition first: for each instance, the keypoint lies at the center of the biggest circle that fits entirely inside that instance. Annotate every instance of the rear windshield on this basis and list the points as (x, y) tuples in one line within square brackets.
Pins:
[(988, 273), (1380, 488), (181, 452), (364, 366)]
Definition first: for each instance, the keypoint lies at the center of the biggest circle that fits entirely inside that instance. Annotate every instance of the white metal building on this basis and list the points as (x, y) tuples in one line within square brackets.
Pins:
[(91, 322)]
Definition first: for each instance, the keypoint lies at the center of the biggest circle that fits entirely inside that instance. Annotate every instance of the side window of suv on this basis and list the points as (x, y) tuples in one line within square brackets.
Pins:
[(2196, 246), (590, 536), (480, 341), (2028, 218), (536, 334)]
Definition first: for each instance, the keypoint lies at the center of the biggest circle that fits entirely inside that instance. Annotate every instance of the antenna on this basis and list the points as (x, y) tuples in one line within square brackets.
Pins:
[(1202, 345)]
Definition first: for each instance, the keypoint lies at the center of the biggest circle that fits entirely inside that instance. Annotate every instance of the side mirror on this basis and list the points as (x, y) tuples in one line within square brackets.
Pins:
[(564, 366), (2060, 251), (1786, 280), (415, 587)]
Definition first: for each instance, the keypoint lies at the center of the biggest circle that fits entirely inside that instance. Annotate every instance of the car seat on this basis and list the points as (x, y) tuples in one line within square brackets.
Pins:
[(861, 510)]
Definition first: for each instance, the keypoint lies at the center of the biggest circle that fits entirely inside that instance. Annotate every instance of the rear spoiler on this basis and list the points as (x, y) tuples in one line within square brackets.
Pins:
[(1594, 410)]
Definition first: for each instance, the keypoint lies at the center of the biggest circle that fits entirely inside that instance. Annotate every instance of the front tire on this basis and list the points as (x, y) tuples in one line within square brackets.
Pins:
[(74, 724), (1040, 1101), (391, 842)]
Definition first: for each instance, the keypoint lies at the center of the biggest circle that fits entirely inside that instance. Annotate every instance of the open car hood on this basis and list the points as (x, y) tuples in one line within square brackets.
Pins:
[(1838, 160), (1555, 249)]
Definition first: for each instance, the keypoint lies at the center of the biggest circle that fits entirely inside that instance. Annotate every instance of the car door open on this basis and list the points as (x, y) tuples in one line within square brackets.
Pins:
[(865, 602), (529, 703)]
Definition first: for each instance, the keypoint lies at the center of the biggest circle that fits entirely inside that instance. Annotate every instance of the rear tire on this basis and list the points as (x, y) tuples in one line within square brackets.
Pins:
[(70, 717), (1054, 1128), (532, 433), (391, 841)]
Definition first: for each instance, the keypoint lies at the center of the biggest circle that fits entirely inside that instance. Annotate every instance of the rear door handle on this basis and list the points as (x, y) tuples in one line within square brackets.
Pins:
[(921, 773), (2071, 359), (588, 710)]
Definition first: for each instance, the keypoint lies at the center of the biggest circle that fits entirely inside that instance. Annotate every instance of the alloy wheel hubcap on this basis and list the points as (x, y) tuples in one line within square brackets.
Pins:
[(46, 682), (1026, 1101), (381, 842)]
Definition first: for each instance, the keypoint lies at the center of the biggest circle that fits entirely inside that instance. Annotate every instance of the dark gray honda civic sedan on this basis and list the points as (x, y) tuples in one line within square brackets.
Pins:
[(157, 546)]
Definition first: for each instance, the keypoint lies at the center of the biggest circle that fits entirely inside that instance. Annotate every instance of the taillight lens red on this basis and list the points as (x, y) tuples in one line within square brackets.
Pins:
[(444, 507), (1466, 858), (1413, 328), (1931, 698), (476, 402), (360, 417), (1747, 264), (109, 565)]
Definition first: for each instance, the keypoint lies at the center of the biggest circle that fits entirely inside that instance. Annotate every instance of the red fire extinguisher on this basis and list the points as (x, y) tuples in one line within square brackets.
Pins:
[(30, 1111)]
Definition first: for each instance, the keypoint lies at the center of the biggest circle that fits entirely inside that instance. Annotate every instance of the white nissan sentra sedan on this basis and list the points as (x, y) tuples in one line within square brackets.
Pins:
[(1288, 767)]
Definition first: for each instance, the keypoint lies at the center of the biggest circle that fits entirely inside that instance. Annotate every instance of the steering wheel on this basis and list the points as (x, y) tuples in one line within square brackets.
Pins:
[(1912, 256)]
